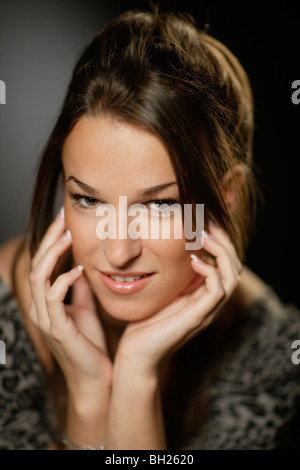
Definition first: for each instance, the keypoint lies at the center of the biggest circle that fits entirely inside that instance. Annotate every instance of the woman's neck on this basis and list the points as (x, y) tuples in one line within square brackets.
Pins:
[(113, 329)]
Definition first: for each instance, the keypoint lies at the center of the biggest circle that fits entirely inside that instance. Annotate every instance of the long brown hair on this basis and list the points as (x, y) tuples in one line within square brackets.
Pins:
[(160, 72)]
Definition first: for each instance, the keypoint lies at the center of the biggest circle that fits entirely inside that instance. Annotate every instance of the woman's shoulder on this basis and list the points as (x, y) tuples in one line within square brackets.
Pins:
[(254, 397), (14, 275), (8, 253), (256, 298), (14, 278), (22, 384), (14, 271), (261, 344), (267, 307)]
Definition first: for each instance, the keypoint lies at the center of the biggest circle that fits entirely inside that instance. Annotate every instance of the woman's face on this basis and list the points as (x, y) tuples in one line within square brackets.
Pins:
[(102, 160)]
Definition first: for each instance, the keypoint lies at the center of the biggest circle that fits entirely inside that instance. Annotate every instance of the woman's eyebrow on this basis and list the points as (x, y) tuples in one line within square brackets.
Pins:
[(82, 185), (156, 189), (144, 192)]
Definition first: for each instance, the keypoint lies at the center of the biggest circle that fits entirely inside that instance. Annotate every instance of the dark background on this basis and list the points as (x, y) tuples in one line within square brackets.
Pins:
[(39, 43)]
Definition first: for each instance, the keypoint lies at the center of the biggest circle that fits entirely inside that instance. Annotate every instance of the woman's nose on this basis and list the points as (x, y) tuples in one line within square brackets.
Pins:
[(119, 252), (119, 246)]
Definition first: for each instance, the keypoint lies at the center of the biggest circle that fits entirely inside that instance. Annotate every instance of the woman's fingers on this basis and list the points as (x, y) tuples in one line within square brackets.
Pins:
[(224, 263), (48, 313), (40, 275), (219, 280), (82, 294), (214, 290), (53, 233), (220, 236), (61, 323), (47, 262), (218, 245)]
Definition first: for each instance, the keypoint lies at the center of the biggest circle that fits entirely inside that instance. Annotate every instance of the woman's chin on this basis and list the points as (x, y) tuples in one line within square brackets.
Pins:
[(124, 314)]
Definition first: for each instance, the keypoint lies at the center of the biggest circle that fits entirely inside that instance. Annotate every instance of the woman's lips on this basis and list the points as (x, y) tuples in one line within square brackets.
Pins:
[(125, 287)]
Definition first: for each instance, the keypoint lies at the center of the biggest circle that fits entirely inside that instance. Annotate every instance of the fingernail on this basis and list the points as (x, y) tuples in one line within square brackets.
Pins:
[(196, 258), (77, 268), (67, 236), (61, 214), (211, 223), (205, 234)]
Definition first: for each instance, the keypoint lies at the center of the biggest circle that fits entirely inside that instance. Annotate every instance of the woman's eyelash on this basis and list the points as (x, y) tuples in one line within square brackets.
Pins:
[(78, 197), (91, 202), (160, 202)]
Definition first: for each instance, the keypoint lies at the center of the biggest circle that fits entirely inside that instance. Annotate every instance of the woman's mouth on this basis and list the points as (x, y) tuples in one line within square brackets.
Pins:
[(125, 284)]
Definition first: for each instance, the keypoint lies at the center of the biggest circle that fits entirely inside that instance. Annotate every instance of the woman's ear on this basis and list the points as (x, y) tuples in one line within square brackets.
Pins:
[(232, 183)]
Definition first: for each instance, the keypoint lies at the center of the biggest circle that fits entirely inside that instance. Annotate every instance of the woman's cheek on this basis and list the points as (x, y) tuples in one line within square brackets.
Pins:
[(171, 249), (84, 238), (186, 278)]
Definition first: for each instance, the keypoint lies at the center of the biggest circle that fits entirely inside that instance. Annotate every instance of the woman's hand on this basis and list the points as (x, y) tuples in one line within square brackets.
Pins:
[(73, 332), (136, 415), (146, 344)]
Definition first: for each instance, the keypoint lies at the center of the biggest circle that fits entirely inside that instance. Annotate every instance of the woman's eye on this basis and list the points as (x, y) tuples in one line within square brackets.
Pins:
[(85, 201), (159, 205), (162, 205), (90, 201)]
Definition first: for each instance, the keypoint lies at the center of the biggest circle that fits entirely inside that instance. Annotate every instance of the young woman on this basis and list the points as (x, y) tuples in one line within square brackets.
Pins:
[(128, 342)]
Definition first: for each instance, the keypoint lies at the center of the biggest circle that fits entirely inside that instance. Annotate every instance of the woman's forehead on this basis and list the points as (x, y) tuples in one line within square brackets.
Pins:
[(100, 148), (105, 133)]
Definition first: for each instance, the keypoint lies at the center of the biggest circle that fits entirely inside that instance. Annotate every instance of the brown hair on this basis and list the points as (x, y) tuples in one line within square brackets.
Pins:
[(160, 72)]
